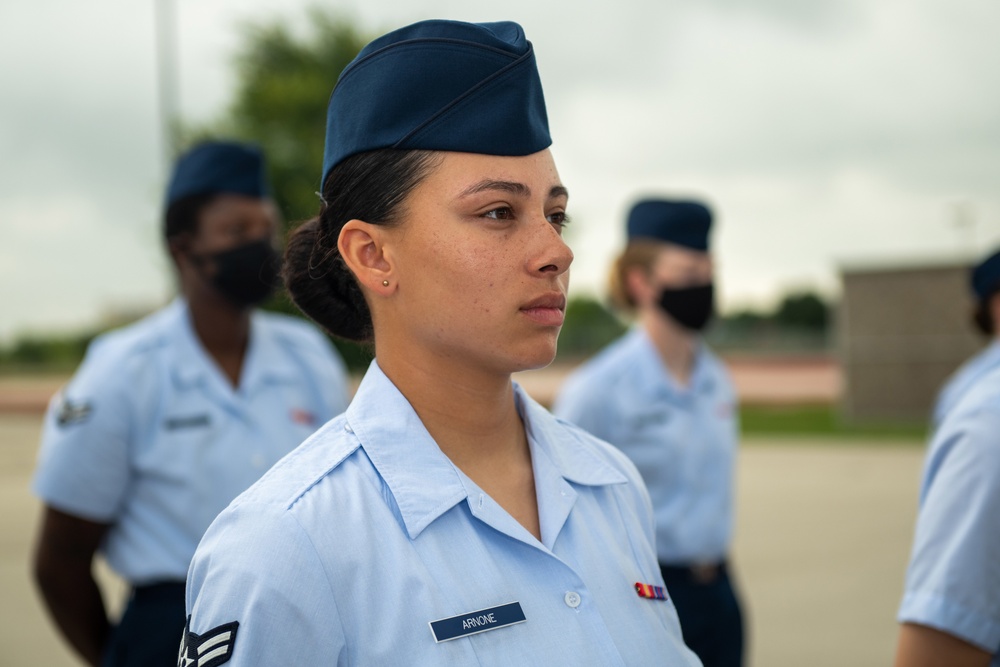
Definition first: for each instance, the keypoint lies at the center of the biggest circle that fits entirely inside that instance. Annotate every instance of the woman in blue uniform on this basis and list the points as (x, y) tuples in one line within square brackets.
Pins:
[(445, 518), (168, 419), (950, 612), (986, 291), (666, 401)]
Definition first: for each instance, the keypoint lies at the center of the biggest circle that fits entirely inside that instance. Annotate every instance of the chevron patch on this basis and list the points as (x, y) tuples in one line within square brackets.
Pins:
[(215, 647)]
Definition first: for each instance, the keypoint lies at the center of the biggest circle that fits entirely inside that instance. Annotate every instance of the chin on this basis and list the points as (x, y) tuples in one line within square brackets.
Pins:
[(538, 357)]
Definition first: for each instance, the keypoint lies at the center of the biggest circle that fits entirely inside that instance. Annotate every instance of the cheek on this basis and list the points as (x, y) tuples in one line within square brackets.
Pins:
[(473, 276)]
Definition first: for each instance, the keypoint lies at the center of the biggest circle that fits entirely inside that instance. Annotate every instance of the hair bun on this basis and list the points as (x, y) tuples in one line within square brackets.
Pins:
[(321, 285)]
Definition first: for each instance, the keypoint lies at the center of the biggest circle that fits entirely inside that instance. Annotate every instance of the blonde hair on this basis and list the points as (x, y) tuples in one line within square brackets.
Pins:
[(639, 254)]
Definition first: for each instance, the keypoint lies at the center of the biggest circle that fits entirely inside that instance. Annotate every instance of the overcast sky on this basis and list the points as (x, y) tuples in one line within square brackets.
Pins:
[(821, 132)]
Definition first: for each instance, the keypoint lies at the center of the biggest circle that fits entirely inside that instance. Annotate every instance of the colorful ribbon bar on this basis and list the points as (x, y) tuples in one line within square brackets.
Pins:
[(651, 592)]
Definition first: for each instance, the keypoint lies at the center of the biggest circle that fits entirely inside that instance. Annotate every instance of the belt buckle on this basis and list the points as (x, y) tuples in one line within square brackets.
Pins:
[(704, 573)]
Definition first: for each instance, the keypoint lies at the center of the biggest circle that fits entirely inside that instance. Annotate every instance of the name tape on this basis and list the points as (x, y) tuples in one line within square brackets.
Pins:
[(474, 622)]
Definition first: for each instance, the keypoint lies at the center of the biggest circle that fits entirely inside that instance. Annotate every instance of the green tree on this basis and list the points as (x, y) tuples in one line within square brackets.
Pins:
[(284, 82), (45, 352), (588, 327), (804, 310)]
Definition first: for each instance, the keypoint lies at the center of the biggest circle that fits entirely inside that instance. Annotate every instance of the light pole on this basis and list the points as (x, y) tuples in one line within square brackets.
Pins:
[(168, 87)]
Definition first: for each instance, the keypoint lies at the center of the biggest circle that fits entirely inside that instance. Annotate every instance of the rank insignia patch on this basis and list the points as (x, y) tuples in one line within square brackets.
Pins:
[(215, 647), (72, 412)]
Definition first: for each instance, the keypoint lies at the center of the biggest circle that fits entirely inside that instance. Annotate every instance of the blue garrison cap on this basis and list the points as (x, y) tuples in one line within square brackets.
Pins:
[(440, 85), (986, 276), (217, 167), (684, 223)]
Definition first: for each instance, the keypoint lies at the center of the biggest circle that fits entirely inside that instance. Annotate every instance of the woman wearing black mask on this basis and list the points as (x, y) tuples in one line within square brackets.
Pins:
[(170, 418), (665, 400)]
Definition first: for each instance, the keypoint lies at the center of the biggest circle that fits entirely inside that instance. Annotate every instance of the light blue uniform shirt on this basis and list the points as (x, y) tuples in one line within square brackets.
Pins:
[(964, 378), (682, 439), (348, 548), (953, 581), (150, 436)]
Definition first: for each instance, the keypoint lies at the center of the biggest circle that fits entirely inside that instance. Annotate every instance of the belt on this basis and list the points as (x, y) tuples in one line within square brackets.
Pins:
[(703, 573)]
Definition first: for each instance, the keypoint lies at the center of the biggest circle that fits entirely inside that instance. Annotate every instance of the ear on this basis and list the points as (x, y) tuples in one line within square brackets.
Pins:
[(361, 245), (638, 286), (177, 247)]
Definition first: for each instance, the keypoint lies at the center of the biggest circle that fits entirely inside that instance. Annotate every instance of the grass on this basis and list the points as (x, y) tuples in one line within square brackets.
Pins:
[(822, 421)]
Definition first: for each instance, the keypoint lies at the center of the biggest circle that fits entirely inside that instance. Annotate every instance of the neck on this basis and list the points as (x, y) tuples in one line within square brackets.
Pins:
[(470, 413), (676, 345), (224, 332)]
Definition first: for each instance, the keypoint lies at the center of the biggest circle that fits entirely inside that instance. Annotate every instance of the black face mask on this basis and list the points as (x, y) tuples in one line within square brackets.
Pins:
[(246, 274), (691, 307)]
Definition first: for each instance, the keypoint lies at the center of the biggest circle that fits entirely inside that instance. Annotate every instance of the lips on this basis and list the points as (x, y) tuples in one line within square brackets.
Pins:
[(547, 310)]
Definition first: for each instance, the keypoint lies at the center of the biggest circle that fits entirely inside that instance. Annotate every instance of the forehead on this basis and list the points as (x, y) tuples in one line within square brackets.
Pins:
[(671, 255), (458, 174), (232, 209)]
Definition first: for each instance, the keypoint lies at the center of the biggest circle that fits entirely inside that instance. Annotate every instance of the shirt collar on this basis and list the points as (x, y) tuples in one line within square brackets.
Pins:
[(423, 482), (190, 362), (573, 460), (264, 360), (652, 375)]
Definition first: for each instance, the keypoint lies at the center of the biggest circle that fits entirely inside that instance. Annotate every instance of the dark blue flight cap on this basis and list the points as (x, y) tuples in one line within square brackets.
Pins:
[(217, 167), (440, 85), (683, 223), (986, 276)]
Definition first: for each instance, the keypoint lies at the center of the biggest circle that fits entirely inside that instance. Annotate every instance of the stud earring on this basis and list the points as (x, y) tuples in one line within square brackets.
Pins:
[(385, 283)]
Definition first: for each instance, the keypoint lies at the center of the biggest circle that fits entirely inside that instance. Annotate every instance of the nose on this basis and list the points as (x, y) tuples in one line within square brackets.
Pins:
[(552, 256)]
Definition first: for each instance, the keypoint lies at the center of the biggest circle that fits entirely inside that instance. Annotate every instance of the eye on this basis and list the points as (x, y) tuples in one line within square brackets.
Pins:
[(559, 219), (500, 213)]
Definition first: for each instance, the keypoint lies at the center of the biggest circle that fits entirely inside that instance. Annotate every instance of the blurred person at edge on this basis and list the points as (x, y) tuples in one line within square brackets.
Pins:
[(446, 518), (950, 612), (168, 419), (986, 316), (663, 398)]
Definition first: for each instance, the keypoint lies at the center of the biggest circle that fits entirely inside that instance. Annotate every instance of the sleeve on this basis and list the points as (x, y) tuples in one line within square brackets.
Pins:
[(953, 581), (730, 399), (945, 399), (83, 464), (257, 588)]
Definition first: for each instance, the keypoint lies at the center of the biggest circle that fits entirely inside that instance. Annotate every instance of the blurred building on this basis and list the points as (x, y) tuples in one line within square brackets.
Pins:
[(901, 331)]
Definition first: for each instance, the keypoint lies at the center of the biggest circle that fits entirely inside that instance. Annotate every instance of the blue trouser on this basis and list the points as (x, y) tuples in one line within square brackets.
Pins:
[(709, 611), (149, 633)]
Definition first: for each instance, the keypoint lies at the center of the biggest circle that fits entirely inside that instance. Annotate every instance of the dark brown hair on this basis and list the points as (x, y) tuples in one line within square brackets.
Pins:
[(373, 187)]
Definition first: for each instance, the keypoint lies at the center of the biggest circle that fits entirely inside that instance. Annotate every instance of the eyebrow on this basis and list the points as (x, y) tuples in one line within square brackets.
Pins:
[(512, 187)]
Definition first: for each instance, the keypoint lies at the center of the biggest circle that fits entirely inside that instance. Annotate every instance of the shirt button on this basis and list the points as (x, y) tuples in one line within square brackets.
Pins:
[(572, 599), (347, 427)]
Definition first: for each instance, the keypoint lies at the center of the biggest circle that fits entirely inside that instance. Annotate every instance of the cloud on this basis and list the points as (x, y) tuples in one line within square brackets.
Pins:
[(819, 130)]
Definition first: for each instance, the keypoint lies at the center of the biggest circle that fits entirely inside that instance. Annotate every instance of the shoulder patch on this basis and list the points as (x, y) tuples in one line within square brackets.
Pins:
[(215, 647), (73, 412)]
